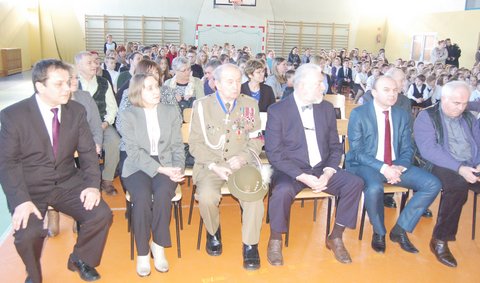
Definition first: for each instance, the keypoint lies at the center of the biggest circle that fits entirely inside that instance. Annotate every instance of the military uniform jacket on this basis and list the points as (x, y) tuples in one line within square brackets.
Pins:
[(230, 135)]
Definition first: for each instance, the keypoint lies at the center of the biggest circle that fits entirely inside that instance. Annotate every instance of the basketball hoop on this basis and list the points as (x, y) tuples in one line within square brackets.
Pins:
[(236, 3)]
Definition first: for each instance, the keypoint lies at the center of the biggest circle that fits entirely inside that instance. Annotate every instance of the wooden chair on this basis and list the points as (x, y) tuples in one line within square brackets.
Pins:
[(187, 115), (185, 136), (388, 189), (338, 101), (474, 217), (349, 106), (177, 212)]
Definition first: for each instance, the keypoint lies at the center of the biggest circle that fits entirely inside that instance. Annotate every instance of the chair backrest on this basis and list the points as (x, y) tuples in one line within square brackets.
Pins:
[(185, 132), (187, 115), (338, 101), (263, 120), (349, 106), (342, 128)]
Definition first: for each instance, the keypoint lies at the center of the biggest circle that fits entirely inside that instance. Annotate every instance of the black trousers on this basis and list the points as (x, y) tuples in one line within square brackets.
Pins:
[(455, 193), (152, 208), (94, 226)]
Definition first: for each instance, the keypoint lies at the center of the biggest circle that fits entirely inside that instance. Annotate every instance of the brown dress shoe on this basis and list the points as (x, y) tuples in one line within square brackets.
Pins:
[(108, 188), (440, 249), (53, 221), (274, 252), (339, 250)]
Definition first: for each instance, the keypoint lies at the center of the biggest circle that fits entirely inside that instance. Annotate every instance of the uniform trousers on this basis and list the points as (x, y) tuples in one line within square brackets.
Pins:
[(208, 195), (92, 236), (346, 186), (454, 195), (152, 208)]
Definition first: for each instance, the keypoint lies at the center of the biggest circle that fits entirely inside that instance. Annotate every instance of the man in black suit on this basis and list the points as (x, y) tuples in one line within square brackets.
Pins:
[(39, 137), (344, 76), (301, 142)]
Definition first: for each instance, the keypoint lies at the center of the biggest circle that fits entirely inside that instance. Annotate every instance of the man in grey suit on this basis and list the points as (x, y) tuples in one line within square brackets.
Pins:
[(39, 137)]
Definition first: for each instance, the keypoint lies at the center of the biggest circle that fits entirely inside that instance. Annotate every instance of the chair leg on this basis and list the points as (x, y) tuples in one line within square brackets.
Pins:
[(267, 219), (192, 200), (329, 214), (132, 230), (180, 213), (200, 228), (474, 218), (176, 208), (287, 235), (404, 200), (303, 203), (362, 221), (315, 205)]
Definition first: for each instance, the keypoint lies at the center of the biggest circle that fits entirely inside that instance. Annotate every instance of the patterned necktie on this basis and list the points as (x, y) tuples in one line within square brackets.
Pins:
[(309, 106), (55, 131), (387, 153)]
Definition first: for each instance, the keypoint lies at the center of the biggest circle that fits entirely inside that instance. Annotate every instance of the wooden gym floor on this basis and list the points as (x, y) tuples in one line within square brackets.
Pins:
[(306, 258)]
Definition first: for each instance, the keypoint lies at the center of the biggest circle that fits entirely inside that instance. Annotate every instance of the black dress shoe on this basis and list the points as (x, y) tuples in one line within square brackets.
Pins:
[(378, 243), (427, 213), (86, 272), (251, 258), (388, 201), (214, 243), (442, 252), (404, 242)]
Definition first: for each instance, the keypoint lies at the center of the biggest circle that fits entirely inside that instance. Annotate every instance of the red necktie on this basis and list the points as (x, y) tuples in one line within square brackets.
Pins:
[(55, 131), (387, 153)]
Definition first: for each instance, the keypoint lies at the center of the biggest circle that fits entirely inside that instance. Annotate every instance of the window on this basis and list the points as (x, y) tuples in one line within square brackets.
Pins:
[(422, 46)]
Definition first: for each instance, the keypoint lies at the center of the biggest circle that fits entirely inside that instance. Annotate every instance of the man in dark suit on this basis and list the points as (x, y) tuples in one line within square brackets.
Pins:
[(39, 137), (381, 152), (345, 76), (302, 145)]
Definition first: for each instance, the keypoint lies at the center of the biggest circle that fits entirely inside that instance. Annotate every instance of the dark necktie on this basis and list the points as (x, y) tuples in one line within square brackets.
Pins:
[(55, 131), (387, 153)]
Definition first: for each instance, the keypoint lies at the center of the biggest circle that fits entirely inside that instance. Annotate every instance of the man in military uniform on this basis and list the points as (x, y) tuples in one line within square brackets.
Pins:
[(225, 127)]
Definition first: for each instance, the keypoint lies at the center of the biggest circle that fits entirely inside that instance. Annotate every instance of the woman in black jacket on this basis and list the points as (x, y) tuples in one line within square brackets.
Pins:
[(255, 71)]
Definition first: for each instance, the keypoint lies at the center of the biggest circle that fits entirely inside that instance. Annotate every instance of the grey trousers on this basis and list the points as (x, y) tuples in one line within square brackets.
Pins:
[(111, 143)]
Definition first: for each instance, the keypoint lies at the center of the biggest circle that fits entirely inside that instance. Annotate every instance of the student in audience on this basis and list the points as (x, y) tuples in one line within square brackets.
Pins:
[(208, 78), (454, 53), (476, 93), (306, 56), (220, 147), (121, 59), (197, 69), (439, 53), (294, 58), (418, 92), (360, 82), (255, 71), (301, 142), (187, 88), (164, 69), (289, 88), (320, 61), (172, 54), (241, 63), (109, 44), (437, 91), (124, 77), (152, 168), (202, 59), (345, 75), (270, 56), (110, 68), (277, 79)]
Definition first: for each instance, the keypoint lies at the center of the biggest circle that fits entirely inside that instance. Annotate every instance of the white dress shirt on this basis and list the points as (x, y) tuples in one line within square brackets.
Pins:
[(112, 108), (308, 122), (47, 115), (381, 133), (153, 129)]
